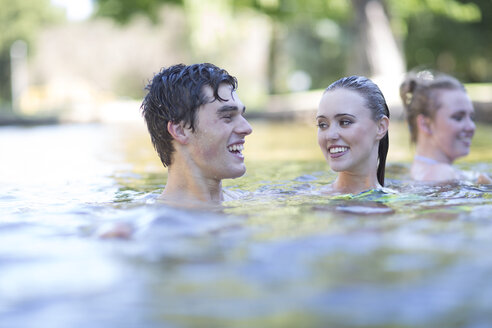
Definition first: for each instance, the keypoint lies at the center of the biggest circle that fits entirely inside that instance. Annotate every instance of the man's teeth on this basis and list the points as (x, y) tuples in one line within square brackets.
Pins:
[(335, 150), (238, 148)]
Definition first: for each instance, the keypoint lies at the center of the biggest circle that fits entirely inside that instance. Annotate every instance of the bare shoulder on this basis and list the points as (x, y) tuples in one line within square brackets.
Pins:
[(484, 179), (435, 172)]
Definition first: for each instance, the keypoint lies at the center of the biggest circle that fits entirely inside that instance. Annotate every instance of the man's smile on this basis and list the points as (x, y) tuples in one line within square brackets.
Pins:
[(236, 148)]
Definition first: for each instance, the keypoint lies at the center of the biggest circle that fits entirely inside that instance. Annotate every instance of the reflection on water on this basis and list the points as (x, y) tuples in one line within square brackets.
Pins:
[(283, 256)]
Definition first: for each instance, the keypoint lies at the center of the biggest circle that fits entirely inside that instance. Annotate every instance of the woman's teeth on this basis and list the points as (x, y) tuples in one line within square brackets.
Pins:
[(335, 150)]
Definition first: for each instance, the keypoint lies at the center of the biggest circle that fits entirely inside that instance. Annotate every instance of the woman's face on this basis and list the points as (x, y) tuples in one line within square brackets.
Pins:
[(452, 128), (347, 135)]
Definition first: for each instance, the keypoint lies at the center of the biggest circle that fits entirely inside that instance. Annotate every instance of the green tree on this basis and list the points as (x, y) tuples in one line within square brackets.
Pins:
[(20, 20), (453, 37), (326, 37), (307, 31), (123, 10), (294, 24)]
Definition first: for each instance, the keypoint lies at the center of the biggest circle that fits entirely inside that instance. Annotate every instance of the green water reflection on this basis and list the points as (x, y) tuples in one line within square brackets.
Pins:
[(280, 151)]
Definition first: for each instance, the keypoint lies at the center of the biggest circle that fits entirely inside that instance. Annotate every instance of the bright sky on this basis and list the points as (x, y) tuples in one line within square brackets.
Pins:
[(76, 9)]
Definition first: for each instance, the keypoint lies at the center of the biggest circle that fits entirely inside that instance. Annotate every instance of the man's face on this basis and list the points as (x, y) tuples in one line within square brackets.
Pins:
[(217, 143)]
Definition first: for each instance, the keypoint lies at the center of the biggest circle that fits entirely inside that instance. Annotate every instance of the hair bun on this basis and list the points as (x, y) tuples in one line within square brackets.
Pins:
[(406, 90)]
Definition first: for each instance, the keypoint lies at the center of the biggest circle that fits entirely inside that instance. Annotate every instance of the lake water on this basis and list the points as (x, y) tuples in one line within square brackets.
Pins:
[(283, 256)]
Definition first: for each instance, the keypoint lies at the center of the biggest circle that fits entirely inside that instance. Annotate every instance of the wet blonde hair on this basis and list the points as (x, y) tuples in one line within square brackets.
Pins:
[(419, 93)]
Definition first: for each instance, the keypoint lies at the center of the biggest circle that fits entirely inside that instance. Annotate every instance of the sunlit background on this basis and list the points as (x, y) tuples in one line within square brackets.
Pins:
[(88, 61), (76, 162), (73, 61)]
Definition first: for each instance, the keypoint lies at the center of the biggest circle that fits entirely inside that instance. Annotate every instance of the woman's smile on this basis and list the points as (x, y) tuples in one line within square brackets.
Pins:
[(337, 151)]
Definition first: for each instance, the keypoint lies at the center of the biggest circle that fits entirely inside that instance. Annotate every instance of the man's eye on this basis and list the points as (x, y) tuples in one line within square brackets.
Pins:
[(457, 117)]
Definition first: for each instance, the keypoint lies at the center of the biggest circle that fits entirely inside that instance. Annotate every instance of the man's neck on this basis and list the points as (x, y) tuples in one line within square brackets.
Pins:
[(183, 187)]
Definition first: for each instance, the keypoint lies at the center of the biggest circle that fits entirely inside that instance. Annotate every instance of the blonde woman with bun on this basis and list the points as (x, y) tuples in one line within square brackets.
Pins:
[(440, 116)]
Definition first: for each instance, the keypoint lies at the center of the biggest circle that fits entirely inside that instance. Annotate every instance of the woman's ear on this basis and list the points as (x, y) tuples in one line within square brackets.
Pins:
[(383, 126), (423, 124), (178, 132)]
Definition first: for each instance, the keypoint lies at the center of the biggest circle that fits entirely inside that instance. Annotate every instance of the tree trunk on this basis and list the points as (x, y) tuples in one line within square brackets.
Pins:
[(377, 53), (272, 58)]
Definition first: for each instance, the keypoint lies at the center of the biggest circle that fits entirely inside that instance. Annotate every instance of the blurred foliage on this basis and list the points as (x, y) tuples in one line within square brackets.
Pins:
[(298, 25), (306, 35), (123, 10), (459, 10), (316, 37), (450, 36), (20, 20), (288, 10)]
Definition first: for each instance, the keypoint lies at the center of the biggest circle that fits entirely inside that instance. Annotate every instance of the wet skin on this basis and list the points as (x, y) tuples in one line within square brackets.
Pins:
[(347, 135), (218, 140), (452, 127)]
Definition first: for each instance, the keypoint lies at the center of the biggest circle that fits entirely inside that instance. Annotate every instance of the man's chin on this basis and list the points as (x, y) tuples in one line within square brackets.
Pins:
[(233, 174)]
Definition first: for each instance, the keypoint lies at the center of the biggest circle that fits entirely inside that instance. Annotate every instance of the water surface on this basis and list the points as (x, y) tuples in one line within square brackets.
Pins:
[(282, 256)]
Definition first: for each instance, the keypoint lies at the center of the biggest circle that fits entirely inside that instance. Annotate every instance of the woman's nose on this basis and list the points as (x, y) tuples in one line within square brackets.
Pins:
[(332, 133), (470, 124)]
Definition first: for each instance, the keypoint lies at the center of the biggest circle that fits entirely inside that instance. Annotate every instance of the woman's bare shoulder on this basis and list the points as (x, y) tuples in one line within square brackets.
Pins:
[(484, 179), (435, 172)]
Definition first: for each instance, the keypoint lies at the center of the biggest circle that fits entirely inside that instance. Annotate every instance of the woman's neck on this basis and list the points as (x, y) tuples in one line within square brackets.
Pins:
[(426, 160), (429, 154), (348, 183)]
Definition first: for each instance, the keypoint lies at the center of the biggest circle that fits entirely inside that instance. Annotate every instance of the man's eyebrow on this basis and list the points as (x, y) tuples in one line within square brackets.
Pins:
[(229, 108)]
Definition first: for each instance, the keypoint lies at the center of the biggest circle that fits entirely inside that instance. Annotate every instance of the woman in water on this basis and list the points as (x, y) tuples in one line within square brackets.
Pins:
[(353, 121), (440, 117)]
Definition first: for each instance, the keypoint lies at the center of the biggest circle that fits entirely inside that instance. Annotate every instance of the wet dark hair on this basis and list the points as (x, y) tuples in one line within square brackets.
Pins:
[(376, 103), (419, 93), (174, 95)]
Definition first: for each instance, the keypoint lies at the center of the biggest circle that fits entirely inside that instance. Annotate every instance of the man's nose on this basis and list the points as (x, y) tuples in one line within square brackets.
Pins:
[(244, 127)]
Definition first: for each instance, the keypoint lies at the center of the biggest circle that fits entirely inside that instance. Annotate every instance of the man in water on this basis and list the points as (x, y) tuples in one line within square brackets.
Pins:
[(196, 124)]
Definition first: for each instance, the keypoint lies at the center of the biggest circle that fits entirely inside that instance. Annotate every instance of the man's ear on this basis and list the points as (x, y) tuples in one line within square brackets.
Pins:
[(423, 124), (383, 126), (178, 132)]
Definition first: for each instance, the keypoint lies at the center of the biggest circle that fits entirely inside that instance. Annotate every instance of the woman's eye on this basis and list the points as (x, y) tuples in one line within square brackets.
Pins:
[(457, 117), (345, 122), (322, 125)]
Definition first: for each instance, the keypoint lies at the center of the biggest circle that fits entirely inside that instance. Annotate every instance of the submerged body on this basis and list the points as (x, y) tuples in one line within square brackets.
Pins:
[(279, 256)]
